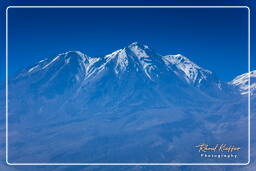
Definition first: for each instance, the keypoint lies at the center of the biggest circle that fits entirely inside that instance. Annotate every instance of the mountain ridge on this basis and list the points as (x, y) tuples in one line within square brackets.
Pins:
[(138, 57), (135, 58)]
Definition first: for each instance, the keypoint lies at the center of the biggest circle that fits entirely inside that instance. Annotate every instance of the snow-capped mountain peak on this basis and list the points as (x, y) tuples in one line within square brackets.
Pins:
[(242, 83), (66, 57), (137, 57), (72, 65)]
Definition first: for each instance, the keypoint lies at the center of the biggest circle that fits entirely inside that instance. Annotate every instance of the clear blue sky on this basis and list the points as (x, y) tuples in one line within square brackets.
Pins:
[(216, 39)]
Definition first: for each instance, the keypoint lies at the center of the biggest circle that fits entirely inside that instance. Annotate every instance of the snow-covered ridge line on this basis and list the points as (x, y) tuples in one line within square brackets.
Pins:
[(43, 65), (139, 57), (242, 83), (135, 50), (192, 72), (136, 59)]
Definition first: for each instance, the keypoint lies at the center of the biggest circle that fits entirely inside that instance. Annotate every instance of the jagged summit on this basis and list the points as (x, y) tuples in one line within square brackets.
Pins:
[(135, 57)]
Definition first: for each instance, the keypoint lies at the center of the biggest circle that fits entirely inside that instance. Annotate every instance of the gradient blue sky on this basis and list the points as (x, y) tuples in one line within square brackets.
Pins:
[(215, 39)]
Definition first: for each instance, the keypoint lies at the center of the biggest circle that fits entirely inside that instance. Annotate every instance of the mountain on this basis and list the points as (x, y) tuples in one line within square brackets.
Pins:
[(132, 105), (136, 61), (242, 83)]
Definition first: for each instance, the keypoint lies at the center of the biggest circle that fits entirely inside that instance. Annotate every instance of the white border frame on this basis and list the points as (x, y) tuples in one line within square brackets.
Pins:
[(126, 164)]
